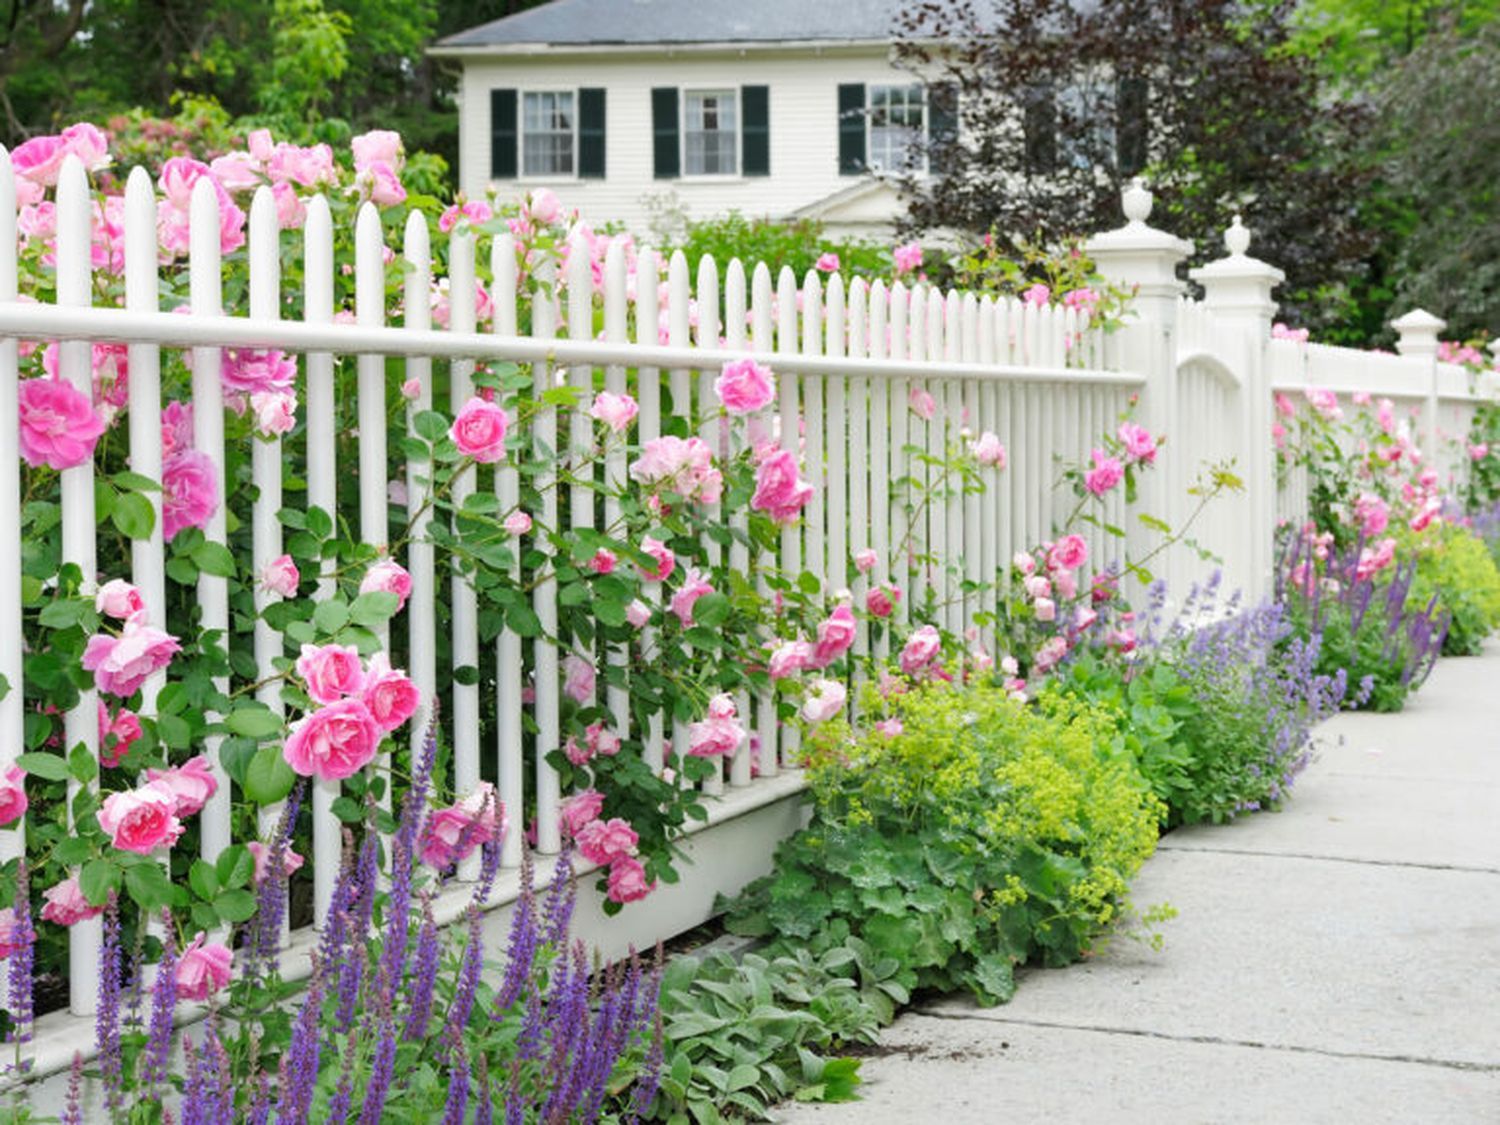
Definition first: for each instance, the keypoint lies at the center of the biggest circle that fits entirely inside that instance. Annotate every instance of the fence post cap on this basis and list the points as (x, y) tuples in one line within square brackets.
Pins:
[(1417, 322)]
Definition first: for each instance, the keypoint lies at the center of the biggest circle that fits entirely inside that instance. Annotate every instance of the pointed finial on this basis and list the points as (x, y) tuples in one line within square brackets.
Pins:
[(1237, 237), (1136, 201)]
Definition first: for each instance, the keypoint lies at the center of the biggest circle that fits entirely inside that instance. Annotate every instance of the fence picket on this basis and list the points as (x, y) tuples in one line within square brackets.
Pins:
[(12, 666)]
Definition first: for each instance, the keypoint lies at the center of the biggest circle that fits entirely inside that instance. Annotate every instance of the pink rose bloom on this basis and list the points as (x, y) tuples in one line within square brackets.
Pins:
[(1103, 589), (176, 427), (479, 431), (291, 212), (1325, 402), (603, 841), (178, 176), (333, 742), (922, 404), (745, 387), (236, 171), (259, 143), (40, 159), (825, 699), (306, 167), (579, 809), (411, 390), (579, 753), (1121, 640), (58, 426), (907, 257), (381, 181), (638, 613), (695, 587), (881, 601), (1083, 618), (454, 832), (789, 658), (779, 490), (666, 562), (681, 465), (1037, 296), (578, 679), (1372, 513), (835, 636), (921, 649), (719, 734), (615, 411), (290, 860), (517, 523), (988, 450), (122, 664), (330, 671), (250, 370), (1361, 398), (1085, 300), (1051, 652), (828, 262), (65, 904), (13, 936), (190, 785), (1023, 562), (203, 968), (1068, 553), (1038, 587), (387, 577), (1105, 475), (1138, 442), (890, 728), (1385, 415), (275, 412), (866, 560), (280, 576), (1371, 562), (1065, 584), (1424, 517), (604, 561), (140, 820), (1045, 609), (389, 694), (476, 213), (13, 801), (378, 146), (118, 598), (627, 880), (543, 207), (602, 740), (190, 491), (1478, 451), (125, 727)]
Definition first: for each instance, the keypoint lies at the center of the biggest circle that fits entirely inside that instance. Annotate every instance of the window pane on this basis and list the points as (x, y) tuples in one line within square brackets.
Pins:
[(710, 136), (547, 125), (896, 127)]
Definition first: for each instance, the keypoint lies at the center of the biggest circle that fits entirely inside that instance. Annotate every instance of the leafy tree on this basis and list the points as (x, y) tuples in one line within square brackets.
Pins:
[(1357, 42), (1062, 102)]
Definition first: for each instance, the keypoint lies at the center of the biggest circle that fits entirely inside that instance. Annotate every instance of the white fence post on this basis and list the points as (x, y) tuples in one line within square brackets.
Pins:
[(13, 706), (1237, 293), (1418, 337)]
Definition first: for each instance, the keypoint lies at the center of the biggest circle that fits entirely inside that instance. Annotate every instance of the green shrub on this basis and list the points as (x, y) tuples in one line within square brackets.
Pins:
[(796, 243), (1455, 565), (986, 834)]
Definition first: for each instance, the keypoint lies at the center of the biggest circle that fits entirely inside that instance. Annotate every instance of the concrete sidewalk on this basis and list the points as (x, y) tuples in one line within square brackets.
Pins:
[(1335, 962)]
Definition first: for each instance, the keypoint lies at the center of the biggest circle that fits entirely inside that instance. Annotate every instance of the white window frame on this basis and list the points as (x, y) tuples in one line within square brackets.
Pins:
[(918, 166), (547, 177), (682, 137)]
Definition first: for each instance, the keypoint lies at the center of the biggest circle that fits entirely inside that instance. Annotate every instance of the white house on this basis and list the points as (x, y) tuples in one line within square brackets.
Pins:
[(634, 110)]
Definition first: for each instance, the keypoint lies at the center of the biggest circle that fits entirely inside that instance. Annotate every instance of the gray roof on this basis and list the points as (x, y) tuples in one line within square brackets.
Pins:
[(644, 22)]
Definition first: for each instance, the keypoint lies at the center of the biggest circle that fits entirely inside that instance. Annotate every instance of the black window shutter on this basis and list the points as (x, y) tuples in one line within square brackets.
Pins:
[(942, 126), (1131, 102), (591, 134), (503, 164), (665, 147), (755, 133), (851, 128), (1040, 123)]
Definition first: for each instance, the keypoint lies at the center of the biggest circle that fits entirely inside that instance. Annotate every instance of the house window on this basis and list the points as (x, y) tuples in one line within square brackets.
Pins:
[(897, 126), (711, 133), (548, 133)]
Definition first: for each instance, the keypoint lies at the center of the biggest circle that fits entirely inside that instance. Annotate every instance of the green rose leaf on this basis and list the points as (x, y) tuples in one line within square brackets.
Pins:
[(134, 516), (374, 608), (82, 764), (331, 616), (254, 721), (235, 906), (52, 767), (319, 523), (235, 866), (204, 880), (98, 878), (268, 778), (215, 559), (430, 425)]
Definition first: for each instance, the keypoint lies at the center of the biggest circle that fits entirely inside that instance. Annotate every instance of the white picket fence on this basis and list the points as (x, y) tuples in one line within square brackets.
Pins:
[(849, 357)]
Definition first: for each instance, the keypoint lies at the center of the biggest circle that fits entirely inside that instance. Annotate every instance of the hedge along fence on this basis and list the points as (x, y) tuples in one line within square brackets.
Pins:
[(604, 590)]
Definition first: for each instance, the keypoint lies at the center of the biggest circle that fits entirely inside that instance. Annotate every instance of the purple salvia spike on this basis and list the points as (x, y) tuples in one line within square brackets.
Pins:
[(21, 960), (458, 1088), (424, 976), (382, 1067), (524, 935), (163, 1007), (560, 899), (107, 1018), (484, 1110), (343, 1094)]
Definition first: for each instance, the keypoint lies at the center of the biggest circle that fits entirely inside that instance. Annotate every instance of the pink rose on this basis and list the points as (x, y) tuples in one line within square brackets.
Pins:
[(250, 371), (828, 262), (627, 880), (12, 794), (666, 562), (1372, 514), (387, 577), (1037, 296), (14, 936), (579, 753), (307, 167), (1478, 451), (1023, 562), (291, 212), (190, 491), (920, 650), (825, 699), (411, 390), (389, 694), (578, 679), (65, 904), (290, 860), (1105, 475), (333, 742), (779, 490), (1038, 587), (543, 206), (881, 601), (1385, 415), (615, 411), (275, 412), (890, 728), (907, 257), (1139, 444), (382, 183), (988, 450), (179, 174), (479, 431), (1051, 652), (139, 820), (330, 671), (866, 560), (382, 146), (1373, 561), (58, 426), (681, 465), (1065, 584), (122, 664), (602, 740), (476, 213), (236, 171), (1083, 618), (789, 658), (203, 968), (695, 587), (835, 636), (280, 576), (579, 809), (40, 159), (118, 598), (1121, 640), (1068, 553), (638, 613), (454, 832), (602, 841), (1085, 299), (258, 141), (745, 387), (922, 404), (604, 561), (190, 785), (125, 727), (720, 733), (517, 523), (1045, 609), (1325, 402)]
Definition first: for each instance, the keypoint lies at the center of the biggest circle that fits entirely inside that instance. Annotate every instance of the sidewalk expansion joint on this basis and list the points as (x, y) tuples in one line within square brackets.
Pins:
[(1215, 1040), (1470, 869)]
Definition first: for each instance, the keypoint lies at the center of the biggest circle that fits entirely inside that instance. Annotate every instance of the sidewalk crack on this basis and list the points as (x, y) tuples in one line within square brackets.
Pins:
[(1181, 849)]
